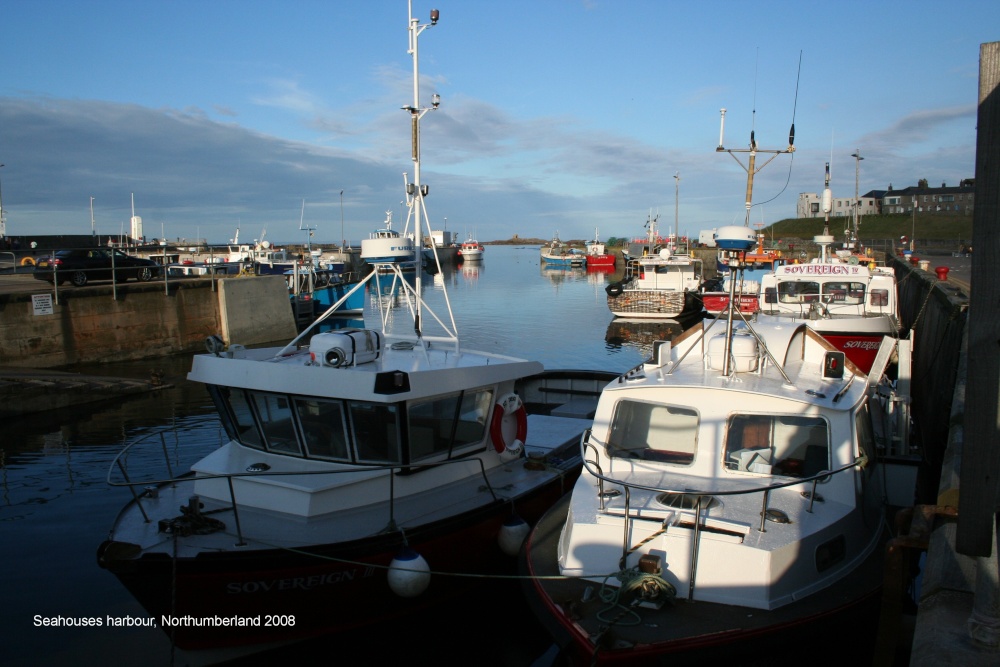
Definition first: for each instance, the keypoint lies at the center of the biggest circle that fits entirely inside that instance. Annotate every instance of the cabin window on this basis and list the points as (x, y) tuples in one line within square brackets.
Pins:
[(879, 297), (844, 293), (275, 413), (797, 292), (653, 432), (787, 445), (243, 424), (435, 427), (324, 431), (376, 432)]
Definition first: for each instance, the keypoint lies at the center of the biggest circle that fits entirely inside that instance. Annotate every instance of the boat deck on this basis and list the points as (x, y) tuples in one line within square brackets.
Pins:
[(590, 622), (552, 452)]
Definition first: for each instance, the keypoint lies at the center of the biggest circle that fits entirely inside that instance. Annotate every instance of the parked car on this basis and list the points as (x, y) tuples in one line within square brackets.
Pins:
[(86, 264)]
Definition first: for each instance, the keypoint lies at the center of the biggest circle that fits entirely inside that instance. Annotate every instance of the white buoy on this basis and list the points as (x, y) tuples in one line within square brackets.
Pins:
[(512, 534), (409, 574)]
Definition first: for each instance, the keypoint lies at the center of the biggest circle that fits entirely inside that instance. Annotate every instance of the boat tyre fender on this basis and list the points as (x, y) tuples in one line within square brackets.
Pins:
[(509, 404), (614, 289), (27, 261)]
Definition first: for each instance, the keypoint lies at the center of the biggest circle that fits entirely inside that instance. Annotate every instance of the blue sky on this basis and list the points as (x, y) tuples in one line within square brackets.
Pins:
[(556, 116)]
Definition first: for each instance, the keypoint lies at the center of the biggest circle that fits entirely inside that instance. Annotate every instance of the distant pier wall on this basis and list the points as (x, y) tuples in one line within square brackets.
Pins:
[(146, 320)]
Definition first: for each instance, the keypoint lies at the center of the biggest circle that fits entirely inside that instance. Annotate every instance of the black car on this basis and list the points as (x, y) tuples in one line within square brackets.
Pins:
[(86, 264)]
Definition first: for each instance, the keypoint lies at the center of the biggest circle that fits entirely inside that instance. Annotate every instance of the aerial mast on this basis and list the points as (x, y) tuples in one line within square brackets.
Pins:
[(752, 150), (416, 191)]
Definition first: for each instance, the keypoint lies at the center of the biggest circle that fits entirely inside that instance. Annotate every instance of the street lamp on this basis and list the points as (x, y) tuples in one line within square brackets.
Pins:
[(343, 239), (677, 186), (857, 202)]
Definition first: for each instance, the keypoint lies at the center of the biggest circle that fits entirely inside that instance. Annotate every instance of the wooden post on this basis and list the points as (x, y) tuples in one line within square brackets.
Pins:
[(980, 472)]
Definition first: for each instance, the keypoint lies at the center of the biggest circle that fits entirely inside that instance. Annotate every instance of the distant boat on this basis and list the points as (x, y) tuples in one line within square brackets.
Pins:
[(259, 257), (471, 249), (650, 244), (385, 246), (597, 254), (558, 254)]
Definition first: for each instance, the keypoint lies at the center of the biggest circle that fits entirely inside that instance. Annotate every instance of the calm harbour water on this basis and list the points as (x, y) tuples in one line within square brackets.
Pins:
[(56, 507)]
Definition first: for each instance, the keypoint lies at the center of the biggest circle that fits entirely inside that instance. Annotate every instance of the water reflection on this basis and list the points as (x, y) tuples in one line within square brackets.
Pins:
[(640, 334)]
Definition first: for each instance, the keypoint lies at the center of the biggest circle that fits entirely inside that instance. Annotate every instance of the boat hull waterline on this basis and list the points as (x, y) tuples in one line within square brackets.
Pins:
[(292, 594)]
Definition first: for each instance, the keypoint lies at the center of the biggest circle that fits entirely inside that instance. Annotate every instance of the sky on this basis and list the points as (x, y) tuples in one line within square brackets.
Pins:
[(557, 117)]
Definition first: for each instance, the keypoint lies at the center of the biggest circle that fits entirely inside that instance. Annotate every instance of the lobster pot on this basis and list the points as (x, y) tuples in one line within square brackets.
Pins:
[(346, 347), (744, 352)]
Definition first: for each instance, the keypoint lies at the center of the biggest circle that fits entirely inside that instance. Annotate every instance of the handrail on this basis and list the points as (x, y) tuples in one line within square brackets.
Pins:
[(119, 462), (861, 461), (596, 471)]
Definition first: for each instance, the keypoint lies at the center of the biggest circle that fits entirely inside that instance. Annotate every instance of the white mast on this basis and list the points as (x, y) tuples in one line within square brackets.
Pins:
[(416, 191)]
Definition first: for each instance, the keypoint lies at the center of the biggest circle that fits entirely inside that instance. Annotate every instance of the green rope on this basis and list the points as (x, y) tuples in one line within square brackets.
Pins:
[(637, 585)]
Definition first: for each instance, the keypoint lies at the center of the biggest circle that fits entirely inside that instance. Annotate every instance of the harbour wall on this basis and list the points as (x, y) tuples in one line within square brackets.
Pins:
[(140, 320)]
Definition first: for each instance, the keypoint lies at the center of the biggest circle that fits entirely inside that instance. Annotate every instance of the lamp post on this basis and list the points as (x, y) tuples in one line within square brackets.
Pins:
[(343, 239), (857, 202), (677, 185)]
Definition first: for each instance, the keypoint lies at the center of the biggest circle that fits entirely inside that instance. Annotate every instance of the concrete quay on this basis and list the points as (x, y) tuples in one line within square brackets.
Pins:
[(43, 327)]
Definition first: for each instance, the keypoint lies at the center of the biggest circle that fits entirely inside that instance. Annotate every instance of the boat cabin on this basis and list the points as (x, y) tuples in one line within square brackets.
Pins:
[(853, 290)]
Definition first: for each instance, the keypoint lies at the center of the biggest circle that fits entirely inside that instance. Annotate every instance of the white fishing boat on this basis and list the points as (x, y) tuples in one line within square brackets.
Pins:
[(732, 503), (662, 286), (843, 294), (386, 246), (361, 468), (471, 250)]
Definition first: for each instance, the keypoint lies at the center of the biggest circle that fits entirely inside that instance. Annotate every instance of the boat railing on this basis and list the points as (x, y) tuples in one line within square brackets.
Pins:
[(150, 486), (697, 499)]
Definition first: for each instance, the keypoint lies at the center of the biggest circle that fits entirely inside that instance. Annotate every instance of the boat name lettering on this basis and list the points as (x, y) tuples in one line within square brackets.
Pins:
[(303, 583), (862, 345), (820, 269)]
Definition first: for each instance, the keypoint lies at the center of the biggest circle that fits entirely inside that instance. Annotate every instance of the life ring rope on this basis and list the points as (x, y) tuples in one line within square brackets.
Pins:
[(509, 404)]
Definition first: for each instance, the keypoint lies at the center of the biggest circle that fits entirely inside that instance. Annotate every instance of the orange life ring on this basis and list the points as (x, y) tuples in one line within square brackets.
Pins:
[(27, 261), (509, 404)]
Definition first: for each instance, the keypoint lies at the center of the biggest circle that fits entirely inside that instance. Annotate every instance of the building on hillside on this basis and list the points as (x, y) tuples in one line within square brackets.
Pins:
[(810, 205), (955, 200)]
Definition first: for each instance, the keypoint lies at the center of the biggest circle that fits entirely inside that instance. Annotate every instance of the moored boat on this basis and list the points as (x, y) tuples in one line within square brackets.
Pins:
[(471, 249), (650, 244), (558, 254), (754, 265), (847, 297), (361, 468), (386, 247), (664, 285), (597, 254), (731, 500)]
